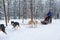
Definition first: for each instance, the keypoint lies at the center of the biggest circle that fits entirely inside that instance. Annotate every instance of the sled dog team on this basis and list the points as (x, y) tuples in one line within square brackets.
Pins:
[(47, 19)]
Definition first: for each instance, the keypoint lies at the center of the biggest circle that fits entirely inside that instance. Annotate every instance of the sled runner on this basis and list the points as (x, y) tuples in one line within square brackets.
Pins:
[(44, 22)]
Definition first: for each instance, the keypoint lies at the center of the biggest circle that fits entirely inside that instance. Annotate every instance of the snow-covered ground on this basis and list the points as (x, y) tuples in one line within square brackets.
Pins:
[(27, 32)]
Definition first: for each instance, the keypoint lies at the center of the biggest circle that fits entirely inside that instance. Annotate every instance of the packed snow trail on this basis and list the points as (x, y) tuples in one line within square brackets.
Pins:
[(41, 32)]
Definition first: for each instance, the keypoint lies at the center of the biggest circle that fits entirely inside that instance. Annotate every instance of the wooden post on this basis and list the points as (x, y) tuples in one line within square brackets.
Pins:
[(8, 13), (24, 10), (5, 12), (31, 12), (19, 9)]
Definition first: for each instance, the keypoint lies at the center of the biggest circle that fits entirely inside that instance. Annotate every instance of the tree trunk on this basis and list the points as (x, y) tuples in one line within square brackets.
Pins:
[(5, 12)]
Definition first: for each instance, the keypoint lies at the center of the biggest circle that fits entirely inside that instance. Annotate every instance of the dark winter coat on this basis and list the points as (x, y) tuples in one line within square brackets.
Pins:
[(49, 14)]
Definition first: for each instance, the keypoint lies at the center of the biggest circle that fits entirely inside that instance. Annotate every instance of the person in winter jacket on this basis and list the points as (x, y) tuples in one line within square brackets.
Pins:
[(49, 17)]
